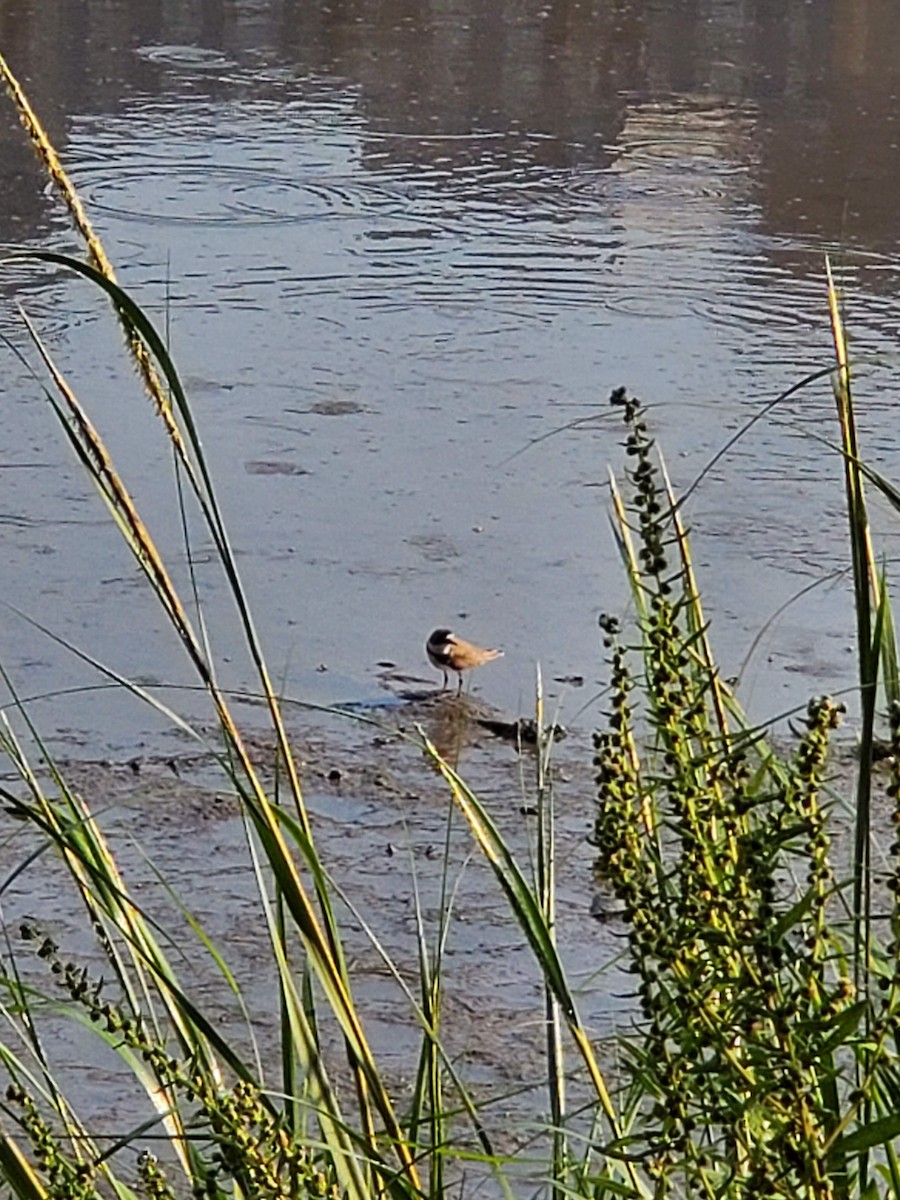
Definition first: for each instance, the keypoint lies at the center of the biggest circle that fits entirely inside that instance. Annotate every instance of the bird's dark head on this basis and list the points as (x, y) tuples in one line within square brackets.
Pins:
[(439, 637)]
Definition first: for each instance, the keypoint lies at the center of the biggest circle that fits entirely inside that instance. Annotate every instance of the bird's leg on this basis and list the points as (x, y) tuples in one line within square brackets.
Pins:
[(444, 684), (459, 685)]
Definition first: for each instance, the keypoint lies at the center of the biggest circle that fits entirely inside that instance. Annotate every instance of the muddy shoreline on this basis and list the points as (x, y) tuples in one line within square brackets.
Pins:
[(383, 824)]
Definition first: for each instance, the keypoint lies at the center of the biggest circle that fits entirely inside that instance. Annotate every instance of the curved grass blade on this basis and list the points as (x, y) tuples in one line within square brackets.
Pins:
[(18, 1172), (527, 911), (865, 589)]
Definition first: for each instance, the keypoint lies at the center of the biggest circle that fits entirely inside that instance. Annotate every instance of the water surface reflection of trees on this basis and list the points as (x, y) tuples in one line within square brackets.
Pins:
[(554, 76)]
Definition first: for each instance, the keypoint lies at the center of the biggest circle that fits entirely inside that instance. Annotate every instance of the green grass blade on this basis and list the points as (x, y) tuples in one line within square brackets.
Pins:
[(527, 911)]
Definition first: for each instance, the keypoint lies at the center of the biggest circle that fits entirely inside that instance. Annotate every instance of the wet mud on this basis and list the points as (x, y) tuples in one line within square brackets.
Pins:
[(394, 849)]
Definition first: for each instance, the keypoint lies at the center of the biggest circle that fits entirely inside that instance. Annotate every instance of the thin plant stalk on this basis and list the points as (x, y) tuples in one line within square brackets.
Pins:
[(546, 887), (866, 597)]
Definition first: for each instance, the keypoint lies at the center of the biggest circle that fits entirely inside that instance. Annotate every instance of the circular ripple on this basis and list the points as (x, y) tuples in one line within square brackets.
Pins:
[(186, 58), (210, 193)]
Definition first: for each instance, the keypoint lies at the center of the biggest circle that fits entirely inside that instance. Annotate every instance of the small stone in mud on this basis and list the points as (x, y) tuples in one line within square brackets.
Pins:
[(334, 775), (523, 730), (321, 668), (136, 765), (273, 467), (335, 408), (572, 680), (598, 909), (528, 810), (434, 547)]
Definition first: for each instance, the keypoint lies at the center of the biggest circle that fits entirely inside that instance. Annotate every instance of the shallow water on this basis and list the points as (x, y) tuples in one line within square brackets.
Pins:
[(394, 247)]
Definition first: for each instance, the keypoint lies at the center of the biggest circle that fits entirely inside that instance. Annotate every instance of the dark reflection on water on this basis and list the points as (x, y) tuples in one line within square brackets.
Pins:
[(555, 80), (528, 84), (458, 225)]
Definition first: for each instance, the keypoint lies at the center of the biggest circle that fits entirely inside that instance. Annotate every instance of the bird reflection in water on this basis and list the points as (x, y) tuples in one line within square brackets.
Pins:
[(452, 725)]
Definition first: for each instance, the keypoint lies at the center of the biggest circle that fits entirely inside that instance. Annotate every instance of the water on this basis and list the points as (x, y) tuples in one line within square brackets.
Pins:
[(395, 250)]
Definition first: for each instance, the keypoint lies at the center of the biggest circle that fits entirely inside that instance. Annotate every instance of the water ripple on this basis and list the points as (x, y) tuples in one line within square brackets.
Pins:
[(220, 193), (186, 58)]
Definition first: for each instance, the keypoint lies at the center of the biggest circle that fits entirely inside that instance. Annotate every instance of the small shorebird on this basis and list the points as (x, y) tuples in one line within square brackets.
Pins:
[(448, 652)]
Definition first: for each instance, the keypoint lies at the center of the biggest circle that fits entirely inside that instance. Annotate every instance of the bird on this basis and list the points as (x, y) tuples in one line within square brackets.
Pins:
[(447, 652)]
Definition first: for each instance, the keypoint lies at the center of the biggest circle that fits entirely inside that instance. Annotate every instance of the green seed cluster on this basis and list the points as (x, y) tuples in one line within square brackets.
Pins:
[(700, 834), (248, 1142), (617, 829), (65, 1179), (153, 1177)]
